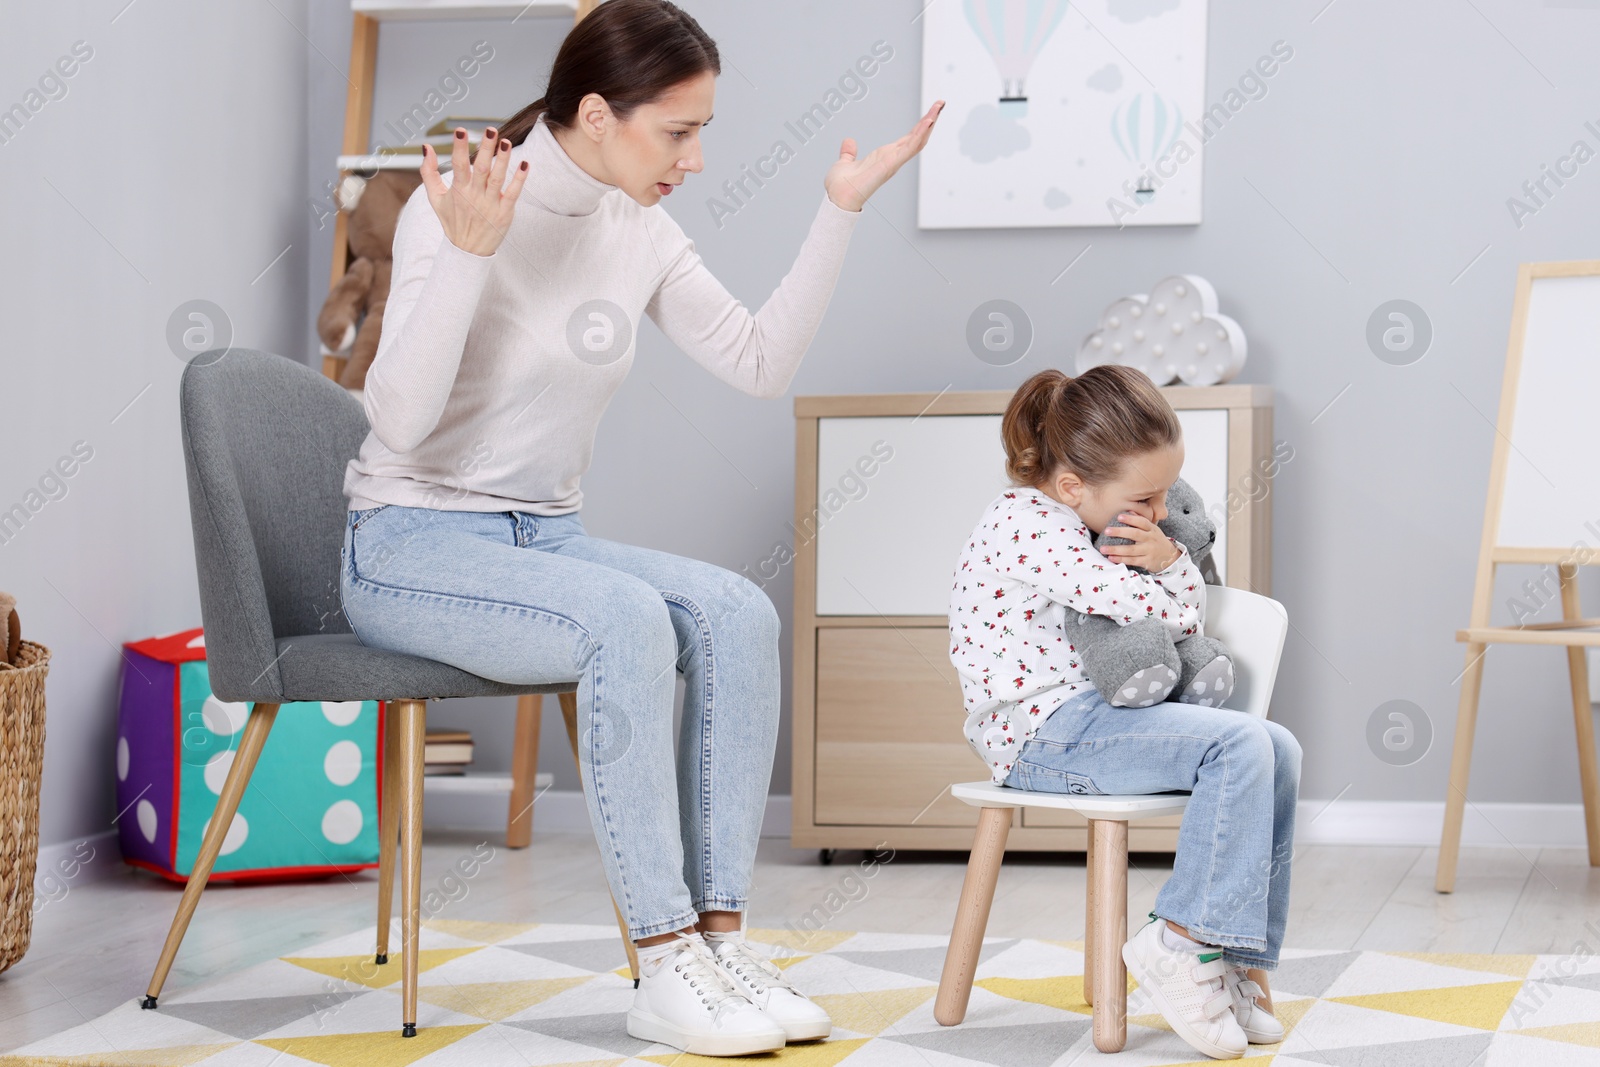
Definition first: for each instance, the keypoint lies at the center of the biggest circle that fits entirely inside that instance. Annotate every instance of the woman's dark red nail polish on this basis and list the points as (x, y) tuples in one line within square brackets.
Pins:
[(461, 134)]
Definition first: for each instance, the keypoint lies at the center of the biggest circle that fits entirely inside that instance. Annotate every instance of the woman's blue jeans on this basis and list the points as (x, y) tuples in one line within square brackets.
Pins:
[(533, 599), (1230, 876)]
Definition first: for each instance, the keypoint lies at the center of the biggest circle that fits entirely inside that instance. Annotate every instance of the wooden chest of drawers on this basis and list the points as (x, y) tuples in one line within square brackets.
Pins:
[(887, 490)]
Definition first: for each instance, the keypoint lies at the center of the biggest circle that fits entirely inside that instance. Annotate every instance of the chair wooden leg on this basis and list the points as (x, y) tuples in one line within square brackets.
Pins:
[(1583, 717), (569, 715), (388, 830), (412, 726), (972, 915), (1455, 801), (524, 768), (1088, 919), (256, 728), (1110, 876)]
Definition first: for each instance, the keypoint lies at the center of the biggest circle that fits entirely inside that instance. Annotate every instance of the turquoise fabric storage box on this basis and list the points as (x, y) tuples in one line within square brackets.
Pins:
[(311, 807)]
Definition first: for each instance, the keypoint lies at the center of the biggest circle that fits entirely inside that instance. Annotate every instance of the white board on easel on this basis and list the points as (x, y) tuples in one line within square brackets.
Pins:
[(1543, 507)]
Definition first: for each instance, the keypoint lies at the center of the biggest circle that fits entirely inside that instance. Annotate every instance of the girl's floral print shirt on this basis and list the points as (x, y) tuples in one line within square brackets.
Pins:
[(1030, 561)]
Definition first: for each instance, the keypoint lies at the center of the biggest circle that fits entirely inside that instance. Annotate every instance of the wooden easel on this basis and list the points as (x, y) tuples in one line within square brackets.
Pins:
[(1543, 508)]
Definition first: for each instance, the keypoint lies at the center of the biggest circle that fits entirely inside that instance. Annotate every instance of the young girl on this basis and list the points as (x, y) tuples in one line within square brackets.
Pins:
[(1089, 452)]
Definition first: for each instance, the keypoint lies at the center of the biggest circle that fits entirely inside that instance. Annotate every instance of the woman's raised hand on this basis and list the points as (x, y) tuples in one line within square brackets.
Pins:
[(475, 208), (850, 180)]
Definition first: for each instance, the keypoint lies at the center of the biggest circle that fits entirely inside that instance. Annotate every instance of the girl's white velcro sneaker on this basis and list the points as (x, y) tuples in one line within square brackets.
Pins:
[(1259, 1025), (1185, 982)]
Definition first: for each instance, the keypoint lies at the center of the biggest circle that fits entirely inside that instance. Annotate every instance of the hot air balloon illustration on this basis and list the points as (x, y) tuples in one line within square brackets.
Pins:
[(1013, 31), (1145, 127)]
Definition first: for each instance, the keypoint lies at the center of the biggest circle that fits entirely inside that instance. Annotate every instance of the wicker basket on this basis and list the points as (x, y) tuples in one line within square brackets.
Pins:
[(21, 756)]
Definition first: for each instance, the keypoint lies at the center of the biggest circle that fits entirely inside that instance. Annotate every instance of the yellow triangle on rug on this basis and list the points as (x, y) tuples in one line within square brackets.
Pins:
[(1571, 1033), (361, 969), (1060, 991), (1515, 966), (874, 1012), (384, 1049), (806, 941), (498, 1000), (1478, 1006)]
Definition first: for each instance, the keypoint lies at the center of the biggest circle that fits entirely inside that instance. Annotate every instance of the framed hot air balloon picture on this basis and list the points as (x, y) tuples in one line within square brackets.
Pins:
[(1085, 113)]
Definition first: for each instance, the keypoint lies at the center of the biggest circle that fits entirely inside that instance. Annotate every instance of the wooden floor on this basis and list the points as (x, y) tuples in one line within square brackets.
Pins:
[(96, 946)]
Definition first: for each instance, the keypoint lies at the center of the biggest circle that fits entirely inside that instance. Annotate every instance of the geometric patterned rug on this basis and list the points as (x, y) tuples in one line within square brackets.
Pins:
[(496, 994)]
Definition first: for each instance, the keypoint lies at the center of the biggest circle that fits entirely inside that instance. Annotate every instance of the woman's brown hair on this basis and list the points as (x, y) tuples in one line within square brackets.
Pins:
[(632, 52), (1090, 424)]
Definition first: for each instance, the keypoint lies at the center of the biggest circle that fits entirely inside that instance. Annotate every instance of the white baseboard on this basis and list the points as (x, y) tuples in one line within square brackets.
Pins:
[(556, 811), (1399, 822), (1317, 822), (75, 862)]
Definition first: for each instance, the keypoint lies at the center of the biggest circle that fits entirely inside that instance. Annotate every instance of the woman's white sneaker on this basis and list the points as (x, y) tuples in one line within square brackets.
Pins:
[(1259, 1025), (760, 979), (685, 1000), (1187, 988)]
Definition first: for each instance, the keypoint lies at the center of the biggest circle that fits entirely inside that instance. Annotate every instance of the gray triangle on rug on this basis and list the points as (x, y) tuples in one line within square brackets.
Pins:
[(1464, 1051), (924, 963), (249, 1019), (605, 1032), (1023, 1045), (599, 955), (1310, 976)]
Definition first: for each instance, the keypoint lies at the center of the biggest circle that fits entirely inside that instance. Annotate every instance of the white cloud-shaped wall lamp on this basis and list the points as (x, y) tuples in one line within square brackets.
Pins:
[(1174, 332)]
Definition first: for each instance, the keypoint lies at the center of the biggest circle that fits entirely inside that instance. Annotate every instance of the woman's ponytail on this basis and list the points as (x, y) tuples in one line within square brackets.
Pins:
[(521, 124)]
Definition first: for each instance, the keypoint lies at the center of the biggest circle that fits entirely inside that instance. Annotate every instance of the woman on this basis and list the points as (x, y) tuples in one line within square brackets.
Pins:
[(508, 328)]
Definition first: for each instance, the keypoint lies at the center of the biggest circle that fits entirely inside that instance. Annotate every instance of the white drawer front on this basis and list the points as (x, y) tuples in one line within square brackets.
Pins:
[(887, 542)]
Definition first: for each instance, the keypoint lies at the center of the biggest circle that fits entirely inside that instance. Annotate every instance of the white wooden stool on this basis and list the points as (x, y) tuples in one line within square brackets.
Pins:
[(1253, 627)]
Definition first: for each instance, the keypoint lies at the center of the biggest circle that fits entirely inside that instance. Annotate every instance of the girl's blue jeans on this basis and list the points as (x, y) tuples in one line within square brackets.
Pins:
[(533, 599), (1230, 876)]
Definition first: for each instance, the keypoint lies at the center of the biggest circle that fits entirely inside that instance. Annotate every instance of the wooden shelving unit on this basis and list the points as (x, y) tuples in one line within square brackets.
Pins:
[(416, 10), (368, 16), (480, 782)]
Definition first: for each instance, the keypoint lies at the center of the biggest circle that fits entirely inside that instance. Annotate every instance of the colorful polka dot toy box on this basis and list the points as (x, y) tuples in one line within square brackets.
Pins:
[(310, 809)]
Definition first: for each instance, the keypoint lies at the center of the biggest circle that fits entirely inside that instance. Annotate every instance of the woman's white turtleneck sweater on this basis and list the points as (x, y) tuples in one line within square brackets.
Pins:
[(493, 371)]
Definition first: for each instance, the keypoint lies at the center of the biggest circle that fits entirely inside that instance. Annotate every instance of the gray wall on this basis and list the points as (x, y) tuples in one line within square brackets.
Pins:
[(170, 167), (1376, 166)]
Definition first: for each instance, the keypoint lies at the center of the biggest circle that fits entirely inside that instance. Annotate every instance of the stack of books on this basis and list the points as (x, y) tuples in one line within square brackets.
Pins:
[(446, 752), (406, 153), (442, 135)]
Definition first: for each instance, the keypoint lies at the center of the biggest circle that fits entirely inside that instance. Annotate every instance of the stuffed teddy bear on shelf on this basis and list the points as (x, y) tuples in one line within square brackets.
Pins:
[(1137, 665), (10, 632), (374, 208)]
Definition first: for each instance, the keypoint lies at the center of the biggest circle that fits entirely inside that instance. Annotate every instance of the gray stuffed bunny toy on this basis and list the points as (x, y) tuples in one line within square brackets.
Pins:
[(1137, 665)]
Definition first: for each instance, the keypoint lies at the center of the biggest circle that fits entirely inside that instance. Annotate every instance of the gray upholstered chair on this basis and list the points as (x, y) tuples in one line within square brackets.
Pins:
[(265, 444)]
